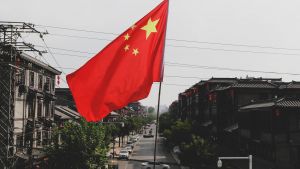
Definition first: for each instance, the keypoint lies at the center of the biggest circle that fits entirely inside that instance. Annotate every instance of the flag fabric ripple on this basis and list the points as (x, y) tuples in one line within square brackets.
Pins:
[(124, 70)]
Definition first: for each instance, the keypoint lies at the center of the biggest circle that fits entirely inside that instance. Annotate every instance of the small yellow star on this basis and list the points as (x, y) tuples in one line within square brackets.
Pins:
[(150, 27), (126, 47), (135, 51), (133, 26), (126, 37)]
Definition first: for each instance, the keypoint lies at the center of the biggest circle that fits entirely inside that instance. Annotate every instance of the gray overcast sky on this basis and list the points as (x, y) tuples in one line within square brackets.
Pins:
[(253, 22)]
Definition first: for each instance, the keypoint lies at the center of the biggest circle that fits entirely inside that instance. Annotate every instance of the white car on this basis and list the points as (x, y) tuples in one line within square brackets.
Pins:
[(129, 149), (124, 154), (158, 165)]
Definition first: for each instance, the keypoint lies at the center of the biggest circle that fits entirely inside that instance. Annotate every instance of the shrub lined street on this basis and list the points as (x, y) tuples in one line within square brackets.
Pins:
[(143, 151)]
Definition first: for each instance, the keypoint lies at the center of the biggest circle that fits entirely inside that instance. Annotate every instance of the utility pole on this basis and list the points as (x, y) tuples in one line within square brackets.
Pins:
[(10, 49)]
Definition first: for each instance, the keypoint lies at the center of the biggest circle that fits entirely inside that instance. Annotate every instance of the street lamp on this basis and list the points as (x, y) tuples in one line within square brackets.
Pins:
[(219, 163)]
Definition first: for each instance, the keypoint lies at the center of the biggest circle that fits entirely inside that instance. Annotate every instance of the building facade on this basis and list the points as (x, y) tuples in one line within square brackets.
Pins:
[(27, 88), (216, 107)]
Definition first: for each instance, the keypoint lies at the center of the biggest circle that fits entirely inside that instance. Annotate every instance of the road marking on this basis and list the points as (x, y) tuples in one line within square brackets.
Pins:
[(126, 165)]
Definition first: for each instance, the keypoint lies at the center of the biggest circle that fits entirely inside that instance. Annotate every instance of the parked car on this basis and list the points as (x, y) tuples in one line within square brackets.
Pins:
[(130, 145), (129, 149), (148, 135), (124, 154), (158, 165), (134, 139), (130, 142)]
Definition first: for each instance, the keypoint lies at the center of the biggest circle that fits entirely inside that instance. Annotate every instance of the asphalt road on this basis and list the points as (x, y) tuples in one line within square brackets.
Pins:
[(144, 151)]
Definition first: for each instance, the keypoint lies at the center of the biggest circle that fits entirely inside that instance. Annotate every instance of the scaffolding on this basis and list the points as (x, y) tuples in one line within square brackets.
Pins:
[(10, 49)]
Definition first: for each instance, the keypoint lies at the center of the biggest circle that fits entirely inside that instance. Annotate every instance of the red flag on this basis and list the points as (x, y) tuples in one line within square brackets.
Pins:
[(124, 70)]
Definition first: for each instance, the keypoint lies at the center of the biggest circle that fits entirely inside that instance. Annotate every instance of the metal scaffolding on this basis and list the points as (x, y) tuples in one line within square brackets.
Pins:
[(10, 49)]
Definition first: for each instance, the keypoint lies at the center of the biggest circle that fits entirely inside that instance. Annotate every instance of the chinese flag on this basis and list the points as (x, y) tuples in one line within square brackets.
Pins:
[(124, 70)]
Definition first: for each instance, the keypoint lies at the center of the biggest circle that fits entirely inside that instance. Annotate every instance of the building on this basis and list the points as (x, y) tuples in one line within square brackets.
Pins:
[(275, 135), (27, 96), (238, 114)]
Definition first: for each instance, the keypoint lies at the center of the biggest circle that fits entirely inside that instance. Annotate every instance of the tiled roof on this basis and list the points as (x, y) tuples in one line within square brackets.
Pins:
[(258, 105), (201, 82), (222, 88), (291, 85), (66, 113), (253, 84), (282, 102), (222, 80), (289, 103)]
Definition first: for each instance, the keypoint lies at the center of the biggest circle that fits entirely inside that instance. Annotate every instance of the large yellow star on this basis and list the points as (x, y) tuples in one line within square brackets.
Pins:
[(135, 51), (150, 27)]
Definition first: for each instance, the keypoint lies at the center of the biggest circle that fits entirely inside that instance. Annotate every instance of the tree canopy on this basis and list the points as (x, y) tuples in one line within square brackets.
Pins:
[(78, 146)]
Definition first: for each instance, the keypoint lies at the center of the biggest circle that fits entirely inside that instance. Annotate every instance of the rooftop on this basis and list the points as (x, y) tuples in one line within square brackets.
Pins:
[(281, 102)]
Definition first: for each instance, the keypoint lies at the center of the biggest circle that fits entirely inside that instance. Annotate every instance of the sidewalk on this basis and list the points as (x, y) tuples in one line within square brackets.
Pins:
[(117, 148)]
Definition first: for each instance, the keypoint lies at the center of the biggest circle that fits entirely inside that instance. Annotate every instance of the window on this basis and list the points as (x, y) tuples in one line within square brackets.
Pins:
[(47, 111), (47, 84), (52, 85), (40, 85), (19, 142), (52, 111), (38, 138), (30, 109), (20, 78), (45, 138), (31, 79), (39, 113)]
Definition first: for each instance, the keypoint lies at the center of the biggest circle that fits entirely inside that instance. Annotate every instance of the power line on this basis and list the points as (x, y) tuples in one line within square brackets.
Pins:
[(233, 50), (192, 47), (63, 49), (51, 54), (171, 76), (168, 84), (65, 54), (169, 39), (79, 30), (229, 69), (192, 66), (54, 58), (80, 37)]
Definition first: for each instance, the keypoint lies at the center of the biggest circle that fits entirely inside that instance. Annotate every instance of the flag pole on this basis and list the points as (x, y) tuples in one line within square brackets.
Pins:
[(156, 127), (159, 92)]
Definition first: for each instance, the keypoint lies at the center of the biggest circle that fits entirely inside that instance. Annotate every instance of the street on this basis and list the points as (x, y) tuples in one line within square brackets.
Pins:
[(144, 151)]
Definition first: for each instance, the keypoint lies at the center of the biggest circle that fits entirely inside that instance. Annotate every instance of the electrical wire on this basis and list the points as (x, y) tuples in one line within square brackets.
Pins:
[(168, 39), (229, 69), (193, 66), (167, 84), (192, 47), (79, 30)]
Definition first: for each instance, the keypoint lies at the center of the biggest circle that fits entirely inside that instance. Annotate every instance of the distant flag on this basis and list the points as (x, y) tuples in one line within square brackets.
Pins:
[(124, 70)]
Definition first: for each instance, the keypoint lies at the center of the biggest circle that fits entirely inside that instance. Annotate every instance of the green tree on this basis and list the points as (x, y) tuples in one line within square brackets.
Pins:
[(165, 122), (181, 132), (78, 146), (111, 132), (151, 110), (197, 153)]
